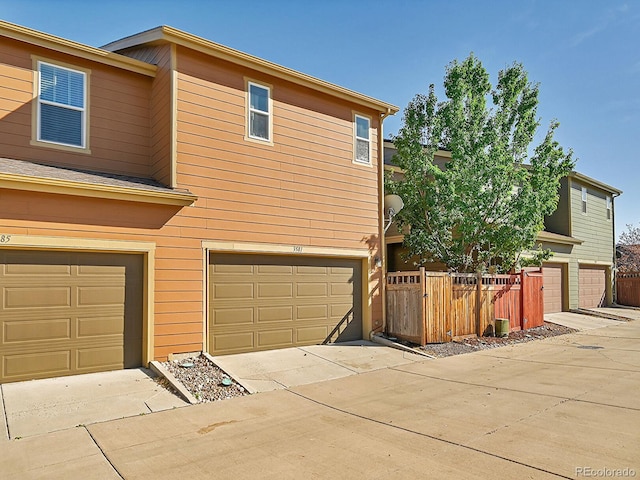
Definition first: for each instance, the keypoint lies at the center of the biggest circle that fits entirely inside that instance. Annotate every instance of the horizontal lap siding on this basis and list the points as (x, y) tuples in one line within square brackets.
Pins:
[(305, 186), (303, 190), (161, 117), (593, 228), (118, 114)]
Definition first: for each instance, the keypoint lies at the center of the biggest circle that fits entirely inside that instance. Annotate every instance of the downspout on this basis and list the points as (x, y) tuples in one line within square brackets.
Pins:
[(614, 270), (382, 324)]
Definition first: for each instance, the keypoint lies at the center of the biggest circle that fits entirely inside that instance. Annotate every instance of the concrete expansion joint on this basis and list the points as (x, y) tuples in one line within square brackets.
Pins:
[(432, 437), (306, 352), (5, 421), (104, 455), (537, 413)]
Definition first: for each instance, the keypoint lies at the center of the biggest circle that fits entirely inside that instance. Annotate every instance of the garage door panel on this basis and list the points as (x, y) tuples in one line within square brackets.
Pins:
[(85, 308), (233, 269), (310, 335), (236, 341), (90, 359), (275, 338), (309, 270), (312, 312), (275, 290), (275, 314), (233, 291), (232, 316), (295, 301), (344, 289), (36, 365), (19, 267), (101, 268), (553, 291), (592, 287), (24, 331), (274, 269), (340, 310), (312, 290), (100, 326), (100, 296)]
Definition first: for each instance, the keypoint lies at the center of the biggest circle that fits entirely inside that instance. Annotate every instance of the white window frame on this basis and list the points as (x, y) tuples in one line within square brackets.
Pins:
[(83, 110), (584, 200), (356, 138), (268, 114), (609, 206)]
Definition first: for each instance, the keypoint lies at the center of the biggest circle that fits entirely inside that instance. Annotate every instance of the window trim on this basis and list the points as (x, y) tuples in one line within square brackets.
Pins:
[(35, 112), (356, 116), (269, 88), (609, 207), (584, 200)]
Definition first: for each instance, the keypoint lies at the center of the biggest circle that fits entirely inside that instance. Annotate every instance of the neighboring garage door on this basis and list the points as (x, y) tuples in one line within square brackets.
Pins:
[(65, 313), (262, 302), (553, 290), (593, 287)]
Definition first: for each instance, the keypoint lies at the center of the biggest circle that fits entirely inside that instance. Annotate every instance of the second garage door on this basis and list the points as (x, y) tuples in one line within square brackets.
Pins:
[(553, 290), (262, 302), (593, 287), (65, 313)]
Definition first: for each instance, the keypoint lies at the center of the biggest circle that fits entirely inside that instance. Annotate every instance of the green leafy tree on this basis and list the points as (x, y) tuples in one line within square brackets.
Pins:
[(483, 208)]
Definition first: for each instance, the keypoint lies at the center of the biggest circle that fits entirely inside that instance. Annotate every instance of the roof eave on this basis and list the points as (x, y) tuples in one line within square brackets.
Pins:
[(596, 183), (548, 237), (45, 40), (179, 37), (66, 187)]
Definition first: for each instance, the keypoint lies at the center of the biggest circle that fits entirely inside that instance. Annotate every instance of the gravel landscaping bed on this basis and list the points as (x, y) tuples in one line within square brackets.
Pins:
[(206, 381), (474, 344)]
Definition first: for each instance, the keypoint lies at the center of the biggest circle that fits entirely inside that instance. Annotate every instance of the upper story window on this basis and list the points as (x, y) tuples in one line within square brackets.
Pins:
[(362, 140), (61, 106), (609, 207), (259, 117), (584, 199)]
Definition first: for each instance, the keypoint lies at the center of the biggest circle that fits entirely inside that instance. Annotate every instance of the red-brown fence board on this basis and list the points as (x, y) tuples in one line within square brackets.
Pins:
[(628, 289), (434, 307)]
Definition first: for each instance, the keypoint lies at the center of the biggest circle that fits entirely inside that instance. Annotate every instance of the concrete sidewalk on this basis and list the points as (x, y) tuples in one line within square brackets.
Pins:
[(542, 409)]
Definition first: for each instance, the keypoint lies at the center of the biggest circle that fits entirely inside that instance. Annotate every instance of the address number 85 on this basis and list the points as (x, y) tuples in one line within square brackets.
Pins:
[(5, 238)]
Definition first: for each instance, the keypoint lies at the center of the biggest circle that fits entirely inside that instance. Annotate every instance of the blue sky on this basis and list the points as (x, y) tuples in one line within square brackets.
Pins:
[(584, 53)]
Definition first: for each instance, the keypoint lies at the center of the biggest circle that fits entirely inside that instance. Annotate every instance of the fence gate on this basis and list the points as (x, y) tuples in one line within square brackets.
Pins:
[(406, 306), (438, 318), (532, 300)]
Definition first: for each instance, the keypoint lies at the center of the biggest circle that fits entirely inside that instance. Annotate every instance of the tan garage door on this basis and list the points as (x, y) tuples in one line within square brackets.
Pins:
[(553, 287), (261, 302), (65, 313), (593, 287)]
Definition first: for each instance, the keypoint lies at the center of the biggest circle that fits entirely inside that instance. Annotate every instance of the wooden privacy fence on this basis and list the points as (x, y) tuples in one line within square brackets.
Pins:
[(628, 289), (433, 307)]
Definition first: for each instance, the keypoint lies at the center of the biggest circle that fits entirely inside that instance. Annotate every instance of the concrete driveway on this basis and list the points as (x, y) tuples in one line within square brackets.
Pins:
[(599, 318), (44, 406), (290, 367), (565, 407)]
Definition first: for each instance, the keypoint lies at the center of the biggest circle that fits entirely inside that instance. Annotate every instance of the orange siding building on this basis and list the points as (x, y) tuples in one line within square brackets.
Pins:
[(246, 194)]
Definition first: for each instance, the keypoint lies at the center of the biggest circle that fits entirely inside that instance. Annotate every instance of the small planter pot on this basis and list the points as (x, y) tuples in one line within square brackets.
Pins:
[(502, 327)]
